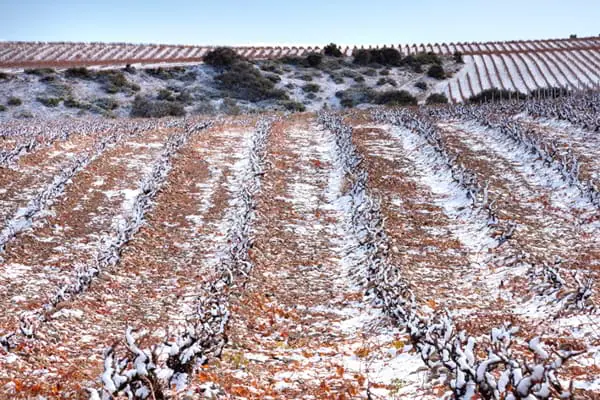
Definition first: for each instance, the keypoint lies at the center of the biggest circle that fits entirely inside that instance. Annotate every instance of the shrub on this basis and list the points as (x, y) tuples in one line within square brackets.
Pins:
[(130, 69), (14, 101), (384, 72), (304, 77), (370, 72), (273, 78), (114, 81), (362, 57), (229, 107), (2, 107), (385, 56), (79, 73), (332, 50), (384, 81), (146, 108), (39, 71), (428, 58), (355, 95), (294, 106), (396, 98), (49, 101), (271, 67), (458, 57), (436, 71), (48, 78), (160, 73), (107, 103), (314, 59), (337, 78), (437, 98), (70, 102), (311, 88), (4, 76), (421, 85), (222, 57), (495, 94), (165, 94), (359, 79), (243, 81)]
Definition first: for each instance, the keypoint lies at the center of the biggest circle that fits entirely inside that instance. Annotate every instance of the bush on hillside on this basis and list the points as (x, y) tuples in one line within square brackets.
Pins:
[(14, 101), (4, 76), (294, 106), (437, 98), (386, 56), (79, 73), (222, 57), (458, 57), (332, 50), (436, 71), (49, 101), (421, 85), (39, 71), (311, 88), (314, 59), (147, 108), (243, 81), (396, 98), (2, 107), (495, 95)]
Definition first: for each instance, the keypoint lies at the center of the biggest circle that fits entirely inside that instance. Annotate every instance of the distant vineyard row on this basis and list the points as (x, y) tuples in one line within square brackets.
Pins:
[(521, 66)]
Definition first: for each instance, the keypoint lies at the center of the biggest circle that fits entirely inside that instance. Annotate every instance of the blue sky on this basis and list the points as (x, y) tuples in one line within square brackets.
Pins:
[(230, 22)]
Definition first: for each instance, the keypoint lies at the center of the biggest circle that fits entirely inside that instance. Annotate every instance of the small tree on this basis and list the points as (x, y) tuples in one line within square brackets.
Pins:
[(362, 57), (314, 59), (222, 57), (332, 50), (458, 57), (436, 71), (437, 98)]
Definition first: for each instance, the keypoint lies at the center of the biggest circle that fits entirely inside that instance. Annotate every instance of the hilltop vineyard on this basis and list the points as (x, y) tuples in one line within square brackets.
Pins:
[(391, 253)]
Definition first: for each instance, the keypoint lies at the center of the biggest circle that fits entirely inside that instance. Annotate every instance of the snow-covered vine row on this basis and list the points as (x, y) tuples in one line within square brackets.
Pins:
[(546, 279), (109, 254), (476, 191), (154, 372), (581, 109), (488, 368)]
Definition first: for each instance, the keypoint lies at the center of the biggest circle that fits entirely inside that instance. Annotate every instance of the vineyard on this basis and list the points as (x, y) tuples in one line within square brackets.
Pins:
[(390, 253), (520, 66)]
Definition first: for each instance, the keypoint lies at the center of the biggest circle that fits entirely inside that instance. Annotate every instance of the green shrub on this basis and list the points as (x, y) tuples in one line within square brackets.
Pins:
[(79, 73), (384, 81), (458, 57), (428, 58), (271, 67), (49, 101), (436, 71), (385, 56), (273, 78), (160, 73), (70, 102), (230, 107), (48, 78), (147, 108), (243, 81), (356, 95), (421, 85), (165, 94), (294, 106), (130, 69), (14, 101), (2, 107), (332, 50), (311, 88), (39, 71), (304, 77), (293, 60), (396, 98), (222, 57), (4, 76), (384, 72), (336, 78), (495, 94), (437, 98), (370, 72), (314, 59), (359, 79), (362, 57), (107, 103)]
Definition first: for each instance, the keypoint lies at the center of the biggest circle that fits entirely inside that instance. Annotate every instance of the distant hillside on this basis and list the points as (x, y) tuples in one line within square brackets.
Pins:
[(521, 66)]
